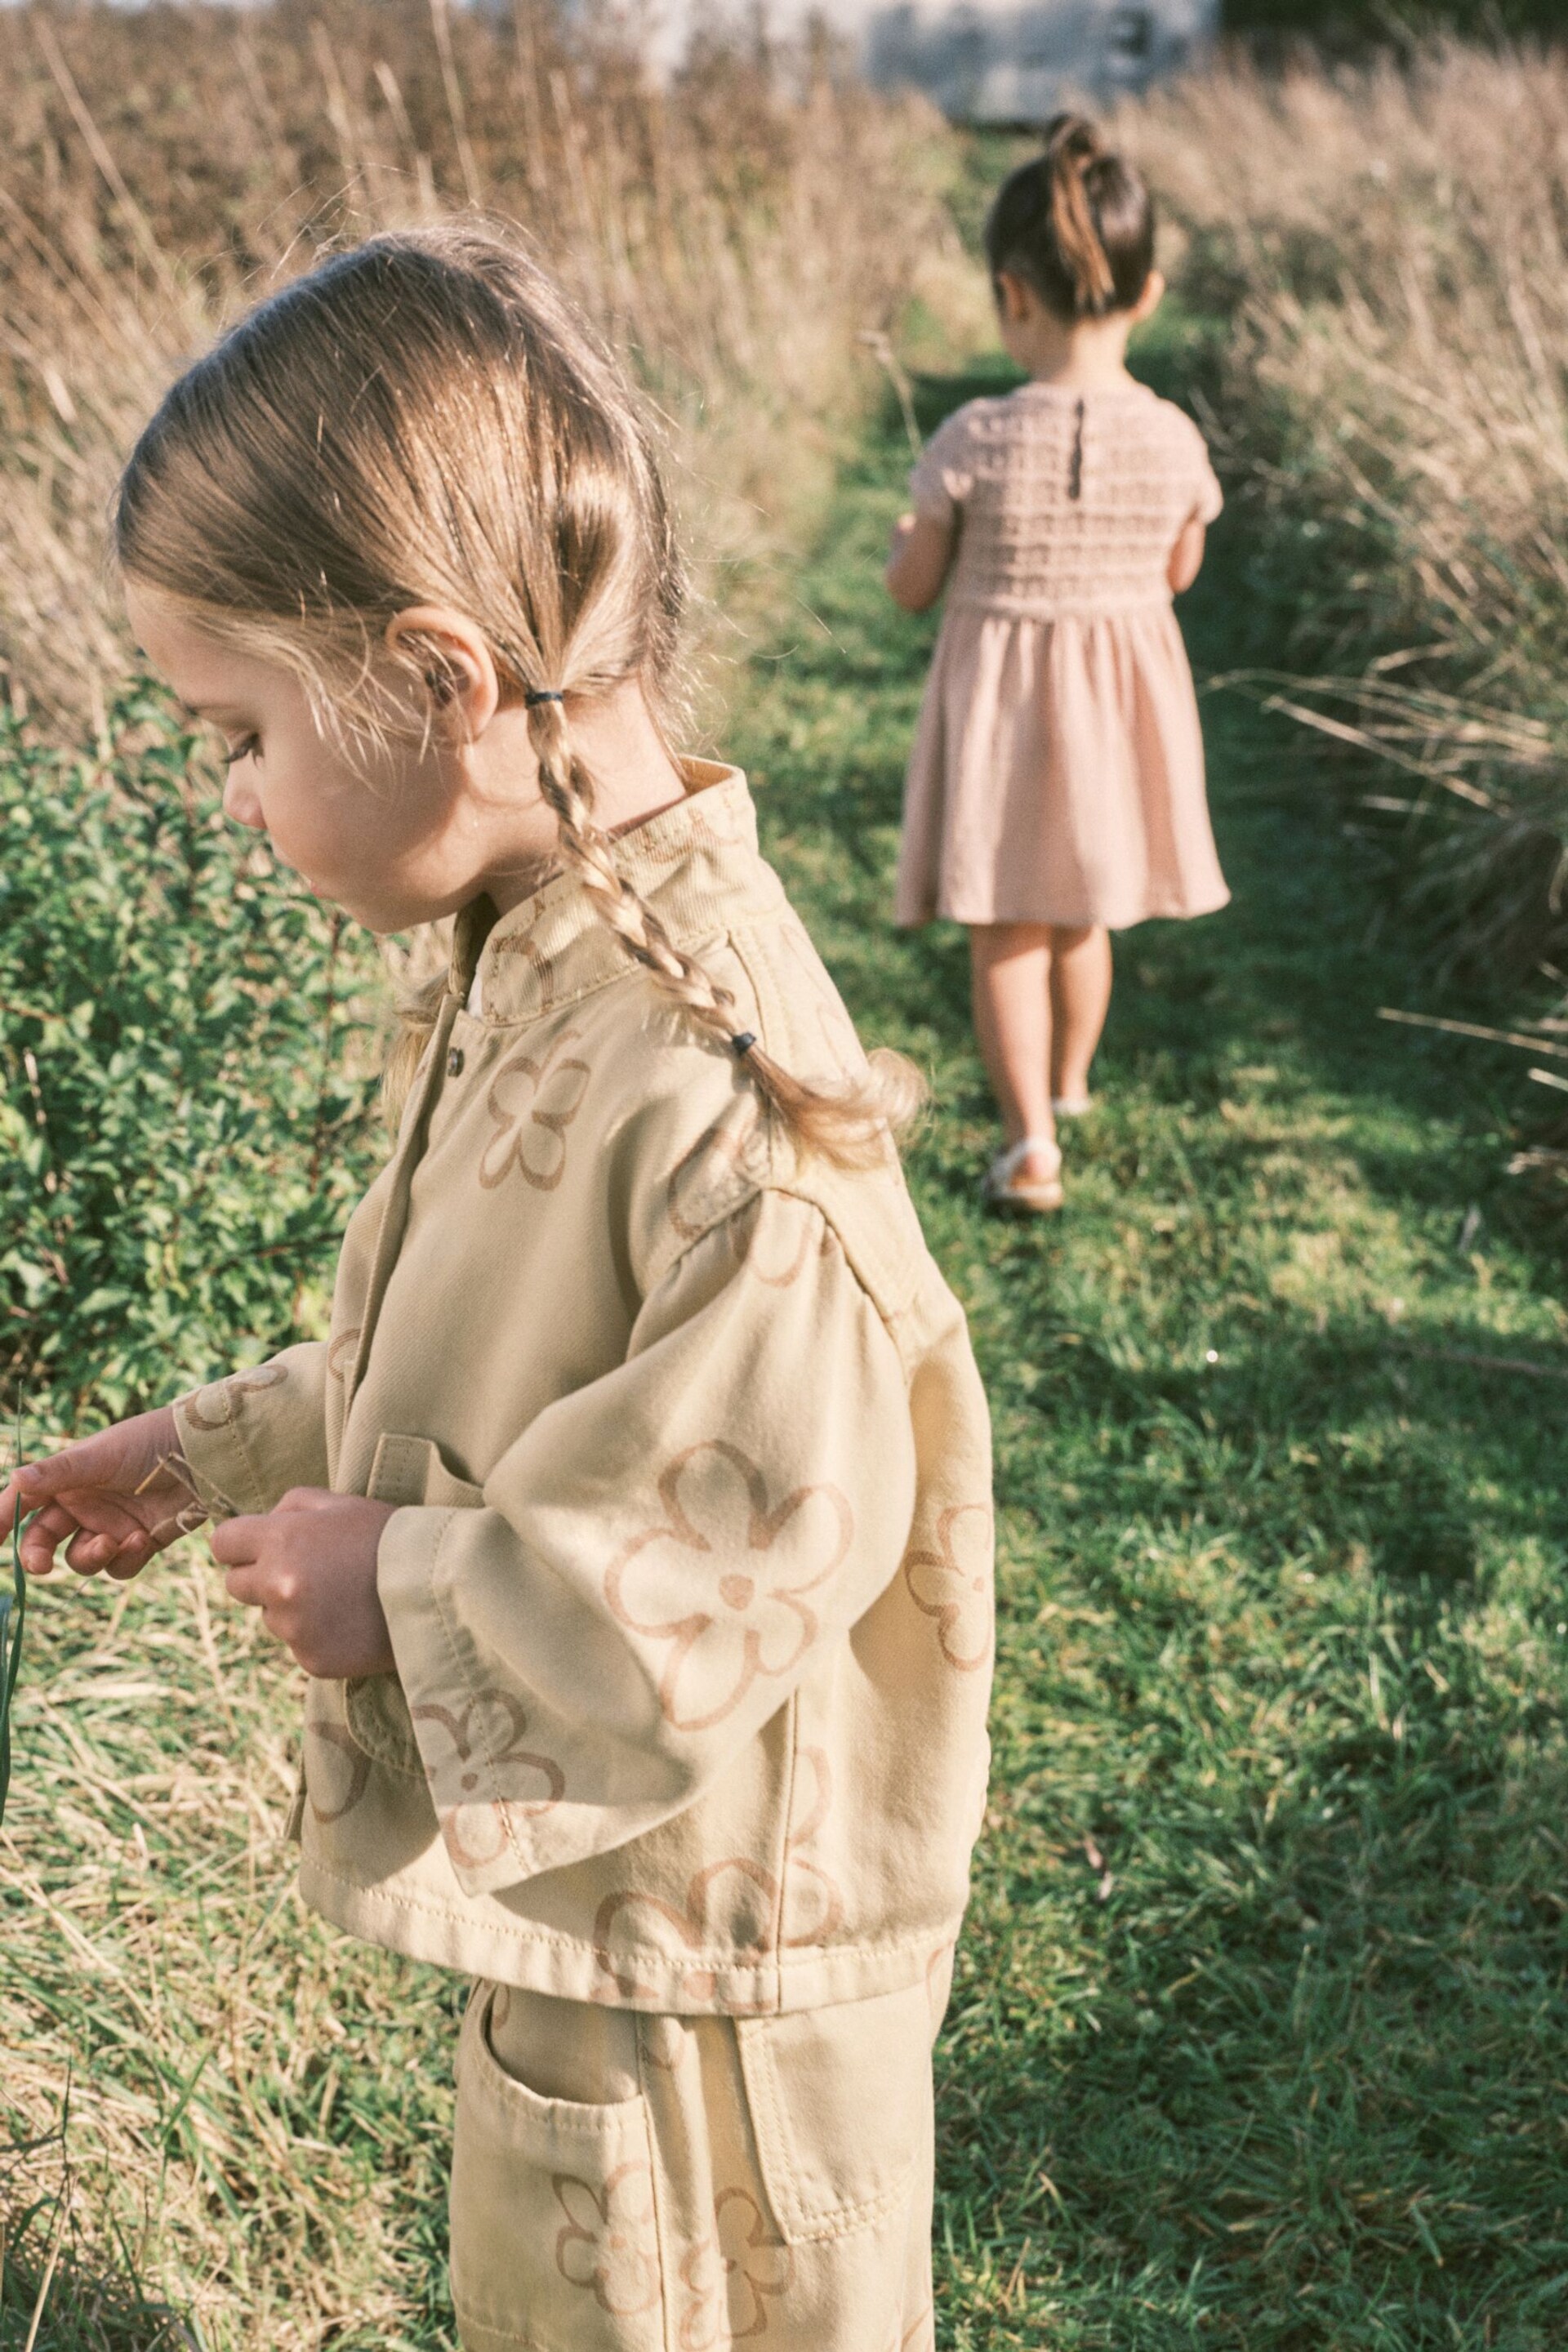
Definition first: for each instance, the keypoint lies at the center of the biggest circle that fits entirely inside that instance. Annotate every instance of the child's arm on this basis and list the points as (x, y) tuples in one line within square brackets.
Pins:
[(918, 561), (1187, 555), (662, 1556), (115, 1500)]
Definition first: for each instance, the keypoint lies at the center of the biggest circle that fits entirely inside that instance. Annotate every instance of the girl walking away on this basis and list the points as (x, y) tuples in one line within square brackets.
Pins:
[(632, 1527), (1056, 788)]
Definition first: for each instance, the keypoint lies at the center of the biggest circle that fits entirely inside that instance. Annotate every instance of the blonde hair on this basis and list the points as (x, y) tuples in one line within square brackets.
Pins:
[(426, 420)]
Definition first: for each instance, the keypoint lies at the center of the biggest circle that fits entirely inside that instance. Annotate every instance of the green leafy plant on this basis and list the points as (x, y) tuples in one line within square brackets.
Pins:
[(186, 1078)]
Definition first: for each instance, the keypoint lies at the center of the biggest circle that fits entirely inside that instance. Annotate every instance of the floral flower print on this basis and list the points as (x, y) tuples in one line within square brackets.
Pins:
[(522, 945), (338, 1772), (733, 1903), (951, 1585), (234, 1390), (533, 1103), (747, 1566), (742, 1921), (484, 1746), (733, 2275), (607, 2243)]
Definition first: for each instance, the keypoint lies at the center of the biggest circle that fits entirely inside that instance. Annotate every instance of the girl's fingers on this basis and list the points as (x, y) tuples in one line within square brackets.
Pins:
[(41, 1535), (255, 1587), (237, 1542), (92, 1553)]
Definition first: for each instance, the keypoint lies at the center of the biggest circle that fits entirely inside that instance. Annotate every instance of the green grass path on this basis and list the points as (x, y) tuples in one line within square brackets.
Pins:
[(1259, 2036)]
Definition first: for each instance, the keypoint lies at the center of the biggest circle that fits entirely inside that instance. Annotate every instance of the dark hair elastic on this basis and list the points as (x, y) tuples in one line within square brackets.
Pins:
[(742, 1045), (538, 694)]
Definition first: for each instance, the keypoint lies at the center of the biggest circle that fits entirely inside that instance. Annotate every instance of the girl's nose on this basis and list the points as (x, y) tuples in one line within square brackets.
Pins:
[(241, 802)]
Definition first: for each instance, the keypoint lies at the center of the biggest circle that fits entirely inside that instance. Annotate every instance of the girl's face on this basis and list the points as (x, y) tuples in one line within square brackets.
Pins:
[(396, 836)]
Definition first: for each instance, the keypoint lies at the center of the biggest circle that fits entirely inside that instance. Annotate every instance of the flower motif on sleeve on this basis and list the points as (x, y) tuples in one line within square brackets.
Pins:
[(231, 1394), (533, 1103), (733, 2275), (607, 2243), (483, 1747), (337, 1771), (951, 1585), (724, 1578)]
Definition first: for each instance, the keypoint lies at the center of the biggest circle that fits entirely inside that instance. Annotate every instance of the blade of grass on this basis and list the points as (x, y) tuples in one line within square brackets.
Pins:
[(13, 1617)]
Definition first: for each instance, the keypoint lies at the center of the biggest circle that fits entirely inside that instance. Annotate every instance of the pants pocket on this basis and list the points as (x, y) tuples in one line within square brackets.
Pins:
[(553, 2238), (840, 2102)]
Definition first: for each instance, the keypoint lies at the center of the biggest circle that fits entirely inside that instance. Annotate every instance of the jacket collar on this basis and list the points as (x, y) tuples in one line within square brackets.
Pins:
[(696, 864)]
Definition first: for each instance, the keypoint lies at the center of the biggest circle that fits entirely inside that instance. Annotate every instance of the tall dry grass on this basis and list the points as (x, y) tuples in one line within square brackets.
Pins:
[(1390, 249), (733, 236)]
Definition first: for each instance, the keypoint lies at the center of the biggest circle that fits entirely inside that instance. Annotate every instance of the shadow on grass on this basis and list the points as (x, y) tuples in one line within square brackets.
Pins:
[(1263, 1993)]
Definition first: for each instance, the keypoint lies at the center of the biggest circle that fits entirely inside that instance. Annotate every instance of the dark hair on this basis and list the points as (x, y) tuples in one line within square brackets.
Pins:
[(1077, 224)]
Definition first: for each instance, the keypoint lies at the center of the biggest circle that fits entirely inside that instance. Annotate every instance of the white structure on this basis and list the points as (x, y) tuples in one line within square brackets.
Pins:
[(1002, 62), (997, 62)]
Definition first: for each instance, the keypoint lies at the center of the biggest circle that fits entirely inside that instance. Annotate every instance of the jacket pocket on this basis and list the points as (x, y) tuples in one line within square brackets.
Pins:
[(553, 2238), (841, 2109), (405, 1470)]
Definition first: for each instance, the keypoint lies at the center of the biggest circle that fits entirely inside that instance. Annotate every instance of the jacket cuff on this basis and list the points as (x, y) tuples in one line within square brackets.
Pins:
[(249, 1438), (487, 1784)]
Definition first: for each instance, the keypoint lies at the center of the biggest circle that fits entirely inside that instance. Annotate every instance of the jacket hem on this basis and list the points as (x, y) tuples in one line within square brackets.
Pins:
[(538, 1959)]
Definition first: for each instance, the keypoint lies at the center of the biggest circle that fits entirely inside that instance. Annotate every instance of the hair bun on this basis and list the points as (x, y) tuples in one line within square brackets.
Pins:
[(1072, 143), (1074, 138)]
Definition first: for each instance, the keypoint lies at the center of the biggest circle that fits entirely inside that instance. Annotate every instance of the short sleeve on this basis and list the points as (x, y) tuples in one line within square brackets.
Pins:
[(944, 476)]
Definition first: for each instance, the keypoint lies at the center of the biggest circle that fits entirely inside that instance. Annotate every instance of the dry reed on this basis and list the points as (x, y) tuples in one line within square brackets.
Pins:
[(1391, 248), (732, 236)]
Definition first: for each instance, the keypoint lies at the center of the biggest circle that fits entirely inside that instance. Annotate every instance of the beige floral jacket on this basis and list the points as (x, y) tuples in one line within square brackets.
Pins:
[(689, 1586)]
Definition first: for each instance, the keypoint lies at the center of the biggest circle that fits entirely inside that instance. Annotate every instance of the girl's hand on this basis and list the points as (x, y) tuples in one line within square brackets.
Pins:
[(113, 1500), (310, 1568)]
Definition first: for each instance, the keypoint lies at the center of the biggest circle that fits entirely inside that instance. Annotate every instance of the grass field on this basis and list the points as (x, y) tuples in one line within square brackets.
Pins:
[(1259, 2037)]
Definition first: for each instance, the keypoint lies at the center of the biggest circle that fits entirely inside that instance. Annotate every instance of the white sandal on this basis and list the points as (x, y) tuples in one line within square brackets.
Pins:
[(1039, 1194), (1072, 1105)]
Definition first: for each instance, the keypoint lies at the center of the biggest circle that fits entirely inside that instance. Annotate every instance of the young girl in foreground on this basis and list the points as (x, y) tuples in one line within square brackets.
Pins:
[(632, 1527), (1056, 788)]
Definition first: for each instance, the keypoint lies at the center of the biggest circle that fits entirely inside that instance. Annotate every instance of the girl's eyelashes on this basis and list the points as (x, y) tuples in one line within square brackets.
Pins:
[(247, 748)]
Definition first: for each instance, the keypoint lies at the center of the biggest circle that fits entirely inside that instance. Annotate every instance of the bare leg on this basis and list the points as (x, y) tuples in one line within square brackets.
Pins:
[(1011, 968), (1080, 998)]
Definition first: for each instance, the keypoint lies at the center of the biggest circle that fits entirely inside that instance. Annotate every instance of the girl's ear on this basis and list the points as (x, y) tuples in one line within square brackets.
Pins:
[(449, 653), (1150, 300)]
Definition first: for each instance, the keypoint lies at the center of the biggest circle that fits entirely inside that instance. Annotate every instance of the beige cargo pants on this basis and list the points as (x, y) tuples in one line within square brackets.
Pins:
[(628, 2183)]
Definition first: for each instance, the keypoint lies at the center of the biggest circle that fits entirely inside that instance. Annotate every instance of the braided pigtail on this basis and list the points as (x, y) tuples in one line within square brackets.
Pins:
[(849, 1124)]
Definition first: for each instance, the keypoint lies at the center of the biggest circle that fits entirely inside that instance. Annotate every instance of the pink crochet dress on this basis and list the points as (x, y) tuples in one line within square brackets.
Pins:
[(1058, 773)]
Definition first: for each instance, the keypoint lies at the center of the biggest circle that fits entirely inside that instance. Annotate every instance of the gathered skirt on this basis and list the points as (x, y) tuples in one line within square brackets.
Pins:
[(1058, 775)]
